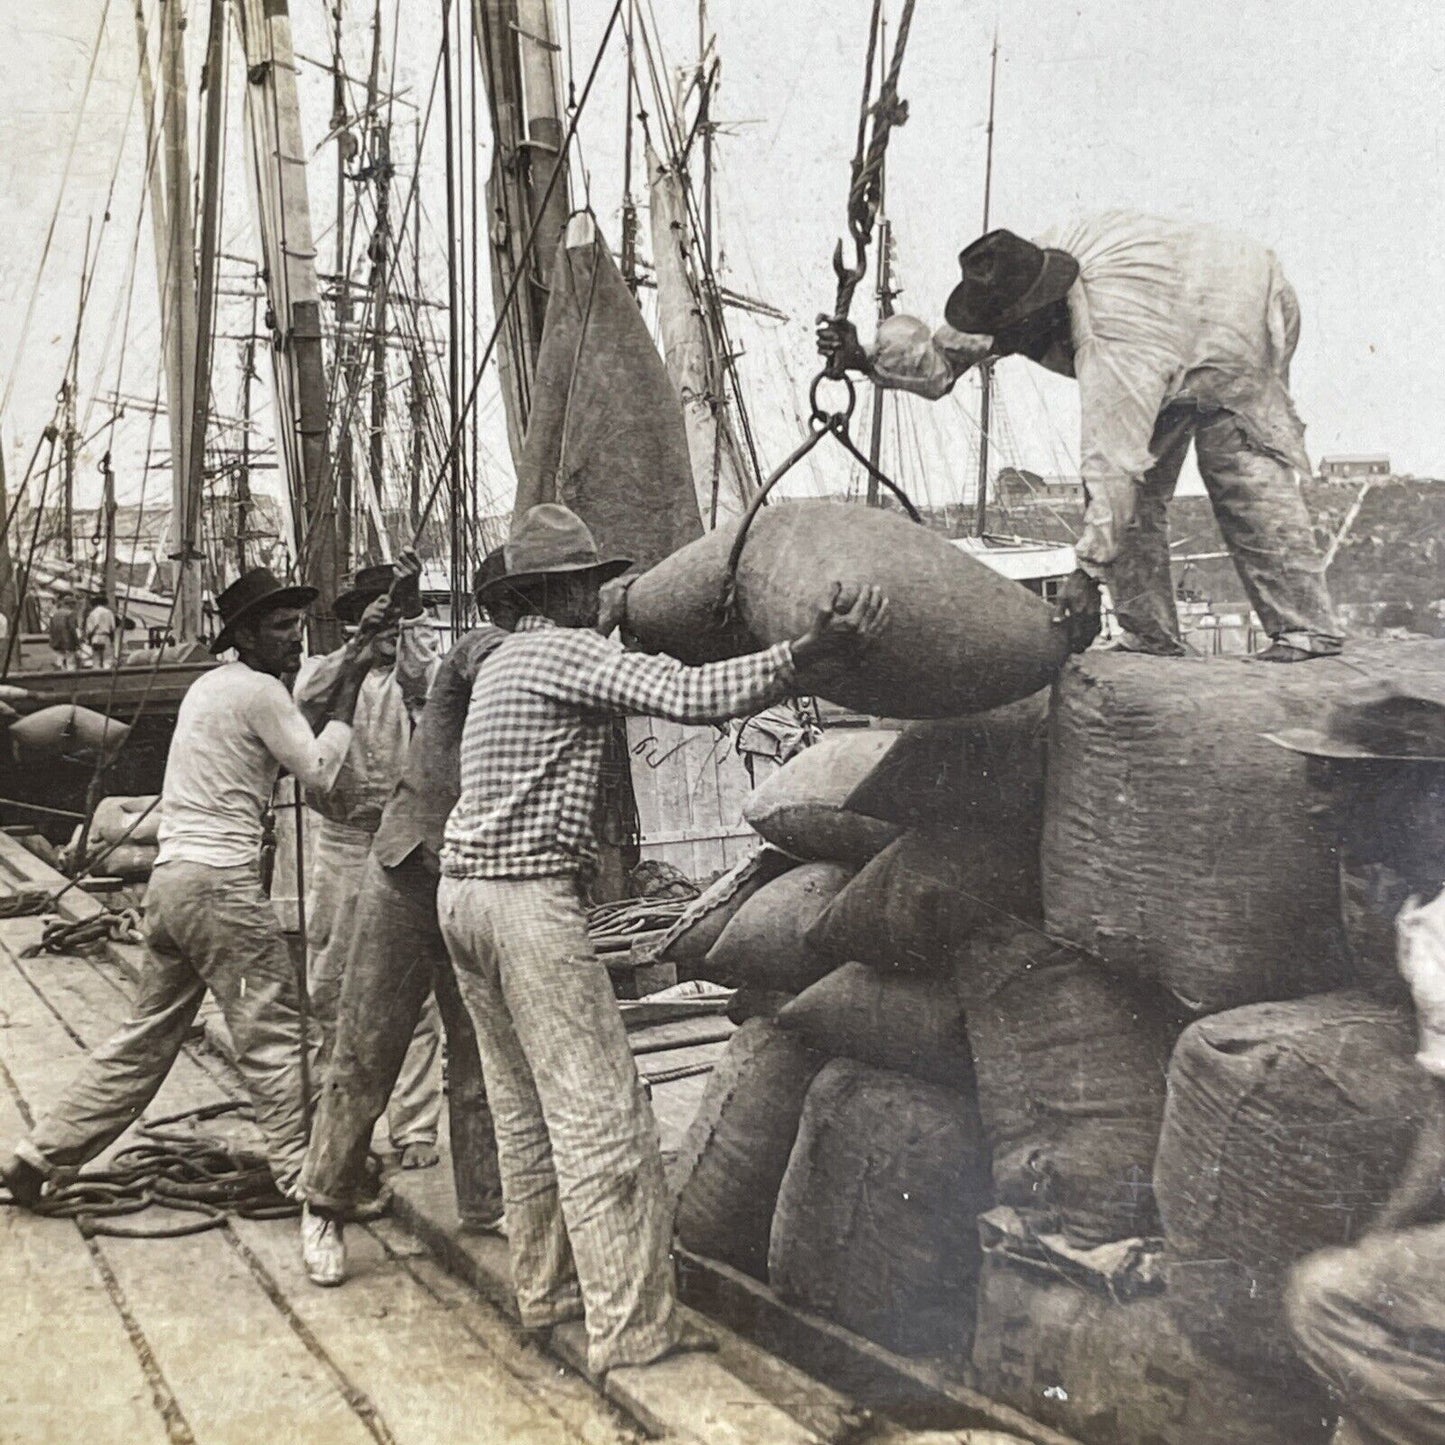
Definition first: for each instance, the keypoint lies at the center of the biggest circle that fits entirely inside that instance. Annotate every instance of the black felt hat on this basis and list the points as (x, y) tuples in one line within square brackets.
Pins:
[(367, 584), (256, 591), (1005, 279), (1392, 721)]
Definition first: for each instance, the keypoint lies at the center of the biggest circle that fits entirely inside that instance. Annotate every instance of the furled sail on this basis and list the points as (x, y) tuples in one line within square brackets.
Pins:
[(718, 467), (606, 436)]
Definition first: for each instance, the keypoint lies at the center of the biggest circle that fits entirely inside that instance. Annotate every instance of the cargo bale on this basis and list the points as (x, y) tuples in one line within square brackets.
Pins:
[(752, 1002), (922, 898), (733, 1157), (800, 808), (1182, 846), (890, 1020), (1071, 1067), (875, 1221), (1121, 1373), (127, 818), (765, 943), (67, 730), (1286, 1128), (701, 923), (960, 638), (985, 771)]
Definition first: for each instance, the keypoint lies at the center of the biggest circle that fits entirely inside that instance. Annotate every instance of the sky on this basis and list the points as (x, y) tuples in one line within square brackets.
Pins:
[(1309, 127)]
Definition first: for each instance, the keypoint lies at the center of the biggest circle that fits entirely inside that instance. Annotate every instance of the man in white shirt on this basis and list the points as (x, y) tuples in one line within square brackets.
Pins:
[(208, 923), (1176, 332), (406, 653), (100, 628)]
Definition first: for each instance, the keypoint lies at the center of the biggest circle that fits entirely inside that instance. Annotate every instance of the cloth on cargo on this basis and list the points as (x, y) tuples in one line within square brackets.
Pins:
[(205, 928), (1071, 1075), (764, 945), (605, 434), (1110, 1372), (1182, 846), (874, 1227), (703, 920), (894, 1021), (396, 960), (736, 1150), (1285, 1130), (985, 771), (800, 808), (1122, 1268), (1370, 1320), (960, 637), (589, 1220), (921, 899), (1176, 328)]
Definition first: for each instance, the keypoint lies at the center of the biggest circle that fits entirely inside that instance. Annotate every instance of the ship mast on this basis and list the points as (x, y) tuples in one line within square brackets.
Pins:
[(985, 371)]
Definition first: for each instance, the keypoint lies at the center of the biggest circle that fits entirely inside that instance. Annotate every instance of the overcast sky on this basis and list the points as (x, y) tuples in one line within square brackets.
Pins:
[(1316, 129)]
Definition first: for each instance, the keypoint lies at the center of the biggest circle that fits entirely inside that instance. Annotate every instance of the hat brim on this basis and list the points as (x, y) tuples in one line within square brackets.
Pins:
[(355, 600), (1316, 744), (605, 571), (1059, 273), (281, 597)]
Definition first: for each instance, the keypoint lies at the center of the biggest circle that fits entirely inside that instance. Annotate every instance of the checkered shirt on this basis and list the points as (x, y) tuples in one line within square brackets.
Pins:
[(532, 748)]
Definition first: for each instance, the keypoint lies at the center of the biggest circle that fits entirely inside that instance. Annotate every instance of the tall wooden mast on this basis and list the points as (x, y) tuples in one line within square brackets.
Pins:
[(985, 370)]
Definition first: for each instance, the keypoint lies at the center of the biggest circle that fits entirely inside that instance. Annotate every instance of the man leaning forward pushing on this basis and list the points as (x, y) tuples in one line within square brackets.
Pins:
[(588, 1217)]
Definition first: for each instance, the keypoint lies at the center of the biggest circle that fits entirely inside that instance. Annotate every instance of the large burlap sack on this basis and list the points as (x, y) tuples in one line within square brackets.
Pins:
[(734, 1154), (701, 923), (68, 730), (1107, 1372), (136, 819), (800, 807), (875, 1221), (1286, 1127), (765, 944), (985, 771), (889, 1020), (1071, 1068), (960, 638), (920, 900), (1180, 844)]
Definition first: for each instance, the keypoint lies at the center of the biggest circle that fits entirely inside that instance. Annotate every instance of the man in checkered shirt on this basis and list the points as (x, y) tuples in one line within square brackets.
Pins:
[(589, 1221)]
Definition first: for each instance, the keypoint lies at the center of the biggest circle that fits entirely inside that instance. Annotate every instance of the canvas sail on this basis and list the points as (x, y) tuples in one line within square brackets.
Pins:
[(606, 435), (718, 468)]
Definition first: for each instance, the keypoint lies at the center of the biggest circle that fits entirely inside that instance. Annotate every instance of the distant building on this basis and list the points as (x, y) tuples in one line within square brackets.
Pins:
[(1014, 487), (1354, 468)]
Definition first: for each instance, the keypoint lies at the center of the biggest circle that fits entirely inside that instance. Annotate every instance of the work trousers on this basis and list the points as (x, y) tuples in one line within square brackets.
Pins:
[(396, 960), (588, 1216), (1370, 1320), (1264, 522), (338, 868), (205, 928)]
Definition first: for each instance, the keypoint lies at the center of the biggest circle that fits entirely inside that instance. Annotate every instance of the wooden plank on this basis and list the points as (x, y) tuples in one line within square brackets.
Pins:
[(910, 1392), (51, 1290), (20, 869), (433, 1381)]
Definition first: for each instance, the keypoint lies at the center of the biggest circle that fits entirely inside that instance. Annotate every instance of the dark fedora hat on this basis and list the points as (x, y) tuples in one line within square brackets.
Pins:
[(1393, 721), (252, 593), (549, 539), (493, 569), (1005, 279), (367, 584)]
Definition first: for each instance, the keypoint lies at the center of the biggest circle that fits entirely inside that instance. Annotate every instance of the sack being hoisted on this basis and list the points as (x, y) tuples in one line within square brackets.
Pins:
[(960, 638)]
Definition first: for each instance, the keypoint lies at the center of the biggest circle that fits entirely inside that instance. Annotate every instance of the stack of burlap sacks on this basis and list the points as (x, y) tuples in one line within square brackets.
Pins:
[(123, 839), (1104, 1000)]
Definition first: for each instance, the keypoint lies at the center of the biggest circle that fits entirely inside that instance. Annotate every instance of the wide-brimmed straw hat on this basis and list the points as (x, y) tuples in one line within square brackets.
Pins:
[(1005, 279), (1392, 721), (548, 540), (367, 584), (258, 590)]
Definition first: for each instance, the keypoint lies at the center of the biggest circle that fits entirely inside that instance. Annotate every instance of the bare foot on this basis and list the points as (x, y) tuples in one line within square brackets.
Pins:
[(420, 1156)]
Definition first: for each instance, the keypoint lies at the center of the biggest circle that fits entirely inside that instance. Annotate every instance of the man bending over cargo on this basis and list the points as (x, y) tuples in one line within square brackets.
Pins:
[(588, 1217), (1176, 332), (1370, 1318)]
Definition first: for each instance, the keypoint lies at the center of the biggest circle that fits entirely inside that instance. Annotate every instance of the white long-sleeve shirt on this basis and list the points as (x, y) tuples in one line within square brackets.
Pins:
[(236, 729), (1163, 312), (390, 700)]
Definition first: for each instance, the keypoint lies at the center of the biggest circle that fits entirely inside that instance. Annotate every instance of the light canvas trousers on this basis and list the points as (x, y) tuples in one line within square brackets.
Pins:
[(205, 928), (588, 1216), (1263, 520), (338, 869), (1370, 1320)]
